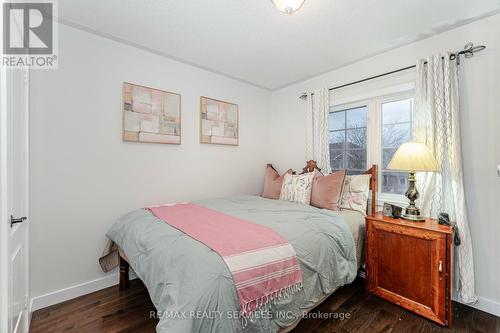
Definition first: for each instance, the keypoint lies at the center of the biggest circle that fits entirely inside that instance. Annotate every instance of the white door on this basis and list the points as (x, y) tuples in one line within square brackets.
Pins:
[(14, 126)]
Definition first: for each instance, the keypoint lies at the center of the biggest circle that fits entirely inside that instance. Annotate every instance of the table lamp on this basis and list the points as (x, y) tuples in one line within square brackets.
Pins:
[(413, 157)]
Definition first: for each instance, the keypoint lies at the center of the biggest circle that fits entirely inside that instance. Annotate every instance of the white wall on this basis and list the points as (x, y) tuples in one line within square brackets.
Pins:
[(83, 176), (480, 97)]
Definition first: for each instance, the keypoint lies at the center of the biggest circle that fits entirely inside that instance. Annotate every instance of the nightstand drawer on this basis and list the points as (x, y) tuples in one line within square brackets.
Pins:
[(409, 266)]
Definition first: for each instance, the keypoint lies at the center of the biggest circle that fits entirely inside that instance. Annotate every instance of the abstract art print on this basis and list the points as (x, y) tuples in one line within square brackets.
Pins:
[(218, 122), (151, 115)]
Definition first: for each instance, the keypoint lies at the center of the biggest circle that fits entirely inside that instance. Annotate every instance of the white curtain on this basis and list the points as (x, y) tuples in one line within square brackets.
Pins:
[(437, 124), (317, 143)]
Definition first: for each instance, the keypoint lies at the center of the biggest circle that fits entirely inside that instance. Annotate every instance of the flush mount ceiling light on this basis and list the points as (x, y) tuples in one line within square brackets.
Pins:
[(288, 6)]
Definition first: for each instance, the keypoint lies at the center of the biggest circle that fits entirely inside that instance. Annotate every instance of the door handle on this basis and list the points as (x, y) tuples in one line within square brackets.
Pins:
[(19, 220), (440, 269)]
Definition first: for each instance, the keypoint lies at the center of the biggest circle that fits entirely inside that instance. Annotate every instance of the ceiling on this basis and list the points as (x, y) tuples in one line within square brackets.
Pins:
[(251, 41)]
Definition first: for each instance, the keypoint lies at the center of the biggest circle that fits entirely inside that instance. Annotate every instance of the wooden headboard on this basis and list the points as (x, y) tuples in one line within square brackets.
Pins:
[(311, 166), (373, 186)]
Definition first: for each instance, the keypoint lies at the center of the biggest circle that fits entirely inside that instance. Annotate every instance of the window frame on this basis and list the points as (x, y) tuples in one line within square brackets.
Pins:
[(374, 132), (347, 109), (393, 98)]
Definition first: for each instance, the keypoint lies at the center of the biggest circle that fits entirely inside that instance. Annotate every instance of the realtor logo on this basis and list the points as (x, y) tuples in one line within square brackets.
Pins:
[(29, 34)]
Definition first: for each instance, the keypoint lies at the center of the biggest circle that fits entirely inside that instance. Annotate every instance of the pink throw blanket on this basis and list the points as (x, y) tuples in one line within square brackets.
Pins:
[(263, 264)]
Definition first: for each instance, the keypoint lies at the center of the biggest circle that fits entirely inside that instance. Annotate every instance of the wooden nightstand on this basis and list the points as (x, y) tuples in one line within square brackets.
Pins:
[(409, 264)]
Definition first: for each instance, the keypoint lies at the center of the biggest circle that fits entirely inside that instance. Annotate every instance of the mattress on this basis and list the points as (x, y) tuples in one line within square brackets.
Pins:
[(356, 222), (182, 275)]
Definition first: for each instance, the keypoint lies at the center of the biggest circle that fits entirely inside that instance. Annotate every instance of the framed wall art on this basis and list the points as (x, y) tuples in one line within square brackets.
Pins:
[(151, 115), (219, 122)]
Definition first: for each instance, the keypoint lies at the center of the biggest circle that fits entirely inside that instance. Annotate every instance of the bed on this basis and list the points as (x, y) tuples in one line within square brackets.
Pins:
[(191, 286)]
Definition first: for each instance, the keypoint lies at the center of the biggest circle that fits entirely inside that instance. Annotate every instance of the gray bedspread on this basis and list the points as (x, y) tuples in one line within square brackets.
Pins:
[(191, 286)]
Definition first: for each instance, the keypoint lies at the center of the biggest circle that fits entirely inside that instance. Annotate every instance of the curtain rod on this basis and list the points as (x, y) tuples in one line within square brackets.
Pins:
[(467, 52)]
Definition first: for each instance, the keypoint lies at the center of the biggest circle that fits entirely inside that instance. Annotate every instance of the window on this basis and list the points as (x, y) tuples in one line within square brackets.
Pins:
[(348, 139), (396, 130), (369, 132)]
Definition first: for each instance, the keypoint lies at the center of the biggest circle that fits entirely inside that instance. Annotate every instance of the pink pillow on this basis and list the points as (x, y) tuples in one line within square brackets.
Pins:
[(273, 182), (327, 190)]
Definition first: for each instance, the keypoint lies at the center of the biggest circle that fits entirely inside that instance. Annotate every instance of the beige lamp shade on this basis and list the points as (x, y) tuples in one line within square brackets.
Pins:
[(413, 156)]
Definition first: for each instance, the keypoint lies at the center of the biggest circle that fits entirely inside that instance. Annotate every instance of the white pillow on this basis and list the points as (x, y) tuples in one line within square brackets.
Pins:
[(355, 193), (297, 188)]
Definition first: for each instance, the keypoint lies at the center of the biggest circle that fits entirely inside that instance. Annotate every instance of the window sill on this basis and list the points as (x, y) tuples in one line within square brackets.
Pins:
[(395, 199)]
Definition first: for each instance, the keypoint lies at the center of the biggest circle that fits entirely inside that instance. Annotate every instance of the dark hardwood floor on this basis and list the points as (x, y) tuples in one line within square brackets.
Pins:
[(109, 310)]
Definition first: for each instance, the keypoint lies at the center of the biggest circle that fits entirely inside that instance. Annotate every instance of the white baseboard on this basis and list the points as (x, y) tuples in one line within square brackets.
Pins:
[(488, 305), (483, 304), (58, 296), (30, 313)]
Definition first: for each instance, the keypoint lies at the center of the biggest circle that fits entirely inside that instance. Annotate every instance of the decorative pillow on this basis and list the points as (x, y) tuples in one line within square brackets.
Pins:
[(355, 193), (327, 190), (273, 182), (297, 188)]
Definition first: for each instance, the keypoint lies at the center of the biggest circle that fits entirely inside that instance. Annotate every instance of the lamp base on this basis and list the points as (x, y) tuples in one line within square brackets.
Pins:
[(412, 209), (414, 218), (412, 212)]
